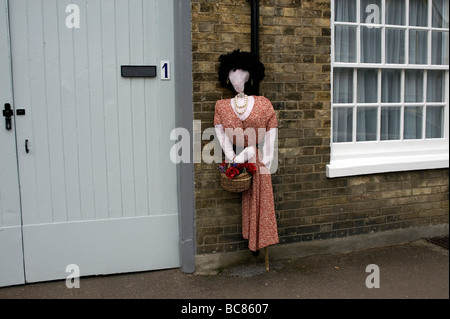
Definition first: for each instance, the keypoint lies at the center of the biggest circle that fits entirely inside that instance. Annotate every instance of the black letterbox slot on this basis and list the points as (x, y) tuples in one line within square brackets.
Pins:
[(138, 70)]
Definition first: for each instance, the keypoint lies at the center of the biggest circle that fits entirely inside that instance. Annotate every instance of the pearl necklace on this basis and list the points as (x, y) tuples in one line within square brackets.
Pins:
[(241, 108)]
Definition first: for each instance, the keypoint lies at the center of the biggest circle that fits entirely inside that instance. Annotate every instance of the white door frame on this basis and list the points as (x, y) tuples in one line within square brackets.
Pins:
[(184, 112)]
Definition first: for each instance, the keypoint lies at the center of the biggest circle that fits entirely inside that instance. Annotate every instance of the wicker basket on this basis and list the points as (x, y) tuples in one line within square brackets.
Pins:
[(238, 184)]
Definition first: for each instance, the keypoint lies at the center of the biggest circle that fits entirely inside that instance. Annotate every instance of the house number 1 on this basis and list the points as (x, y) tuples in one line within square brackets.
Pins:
[(165, 70)]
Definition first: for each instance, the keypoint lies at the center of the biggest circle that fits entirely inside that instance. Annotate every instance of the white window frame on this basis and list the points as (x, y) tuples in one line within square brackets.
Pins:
[(360, 158)]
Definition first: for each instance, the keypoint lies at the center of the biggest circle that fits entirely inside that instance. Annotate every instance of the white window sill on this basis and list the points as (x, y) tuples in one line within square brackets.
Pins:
[(363, 165)]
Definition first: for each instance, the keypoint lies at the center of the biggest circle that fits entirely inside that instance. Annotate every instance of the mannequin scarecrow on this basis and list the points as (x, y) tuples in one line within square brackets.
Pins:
[(242, 72)]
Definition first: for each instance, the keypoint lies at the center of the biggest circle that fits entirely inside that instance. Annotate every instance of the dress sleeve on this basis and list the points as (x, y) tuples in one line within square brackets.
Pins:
[(217, 119), (272, 121), (269, 147)]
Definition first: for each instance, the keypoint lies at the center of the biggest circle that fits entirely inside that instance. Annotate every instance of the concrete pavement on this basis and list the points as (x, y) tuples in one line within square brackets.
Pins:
[(415, 270)]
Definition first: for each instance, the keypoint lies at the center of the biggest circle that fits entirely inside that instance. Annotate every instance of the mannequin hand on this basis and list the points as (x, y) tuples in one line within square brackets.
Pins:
[(245, 155)]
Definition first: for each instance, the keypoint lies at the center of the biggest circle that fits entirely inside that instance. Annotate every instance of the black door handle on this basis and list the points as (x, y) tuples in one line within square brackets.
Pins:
[(8, 113), (26, 147)]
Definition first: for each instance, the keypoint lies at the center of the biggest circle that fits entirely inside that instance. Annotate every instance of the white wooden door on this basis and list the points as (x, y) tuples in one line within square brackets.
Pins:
[(11, 256), (98, 188)]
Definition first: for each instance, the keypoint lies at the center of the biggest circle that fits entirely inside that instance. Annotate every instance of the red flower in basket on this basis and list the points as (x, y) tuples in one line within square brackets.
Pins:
[(250, 168), (232, 172)]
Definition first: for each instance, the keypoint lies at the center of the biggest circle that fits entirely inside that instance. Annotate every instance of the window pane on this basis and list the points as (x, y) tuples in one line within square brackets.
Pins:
[(367, 123), (342, 85), (390, 123), (395, 46), (440, 14), (395, 12), (342, 124), (345, 45), (418, 10), (371, 11), (414, 86), (390, 86), (418, 47), (439, 48), (435, 122), (370, 45), (367, 85), (435, 86), (413, 123), (345, 10)]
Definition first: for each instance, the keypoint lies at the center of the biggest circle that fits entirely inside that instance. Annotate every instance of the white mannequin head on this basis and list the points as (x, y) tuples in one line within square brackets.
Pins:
[(238, 78)]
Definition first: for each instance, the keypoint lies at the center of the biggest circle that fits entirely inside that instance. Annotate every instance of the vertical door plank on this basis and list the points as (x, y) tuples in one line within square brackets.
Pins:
[(125, 108), (21, 83), (97, 109), (37, 89), (83, 107), (139, 91), (110, 74), (54, 111), (153, 110), (9, 187), (69, 116)]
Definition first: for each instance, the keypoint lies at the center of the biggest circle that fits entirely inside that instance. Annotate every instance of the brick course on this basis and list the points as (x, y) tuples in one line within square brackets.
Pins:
[(295, 49)]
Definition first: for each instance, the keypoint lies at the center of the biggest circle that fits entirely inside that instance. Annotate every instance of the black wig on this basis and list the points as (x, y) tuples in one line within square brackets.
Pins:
[(246, 61)]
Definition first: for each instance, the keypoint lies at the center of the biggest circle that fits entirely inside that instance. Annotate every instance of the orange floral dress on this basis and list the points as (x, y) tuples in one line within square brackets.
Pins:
[(259, 223)]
